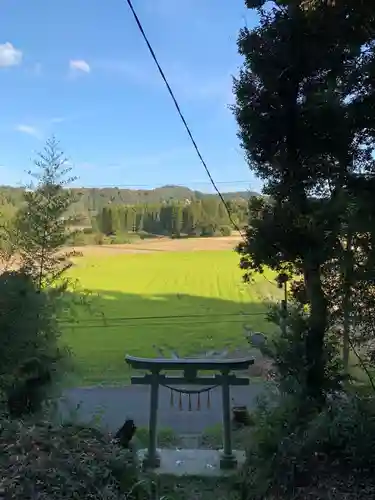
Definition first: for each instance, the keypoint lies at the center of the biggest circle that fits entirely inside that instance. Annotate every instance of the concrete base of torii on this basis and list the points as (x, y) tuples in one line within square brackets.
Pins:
[(194, 462)]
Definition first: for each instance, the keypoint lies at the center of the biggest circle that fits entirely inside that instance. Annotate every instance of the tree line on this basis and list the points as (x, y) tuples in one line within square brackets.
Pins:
[(206, 217), (169, 210)]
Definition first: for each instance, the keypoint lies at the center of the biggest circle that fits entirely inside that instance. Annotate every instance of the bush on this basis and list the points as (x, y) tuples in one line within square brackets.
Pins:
[(208, 231), (287, 350), (225, 230), (79, 239), (144, 235), (47, 461), (31, 356), (299, 449), (98, 239), (288, 451), (122, 238), (293, 444)]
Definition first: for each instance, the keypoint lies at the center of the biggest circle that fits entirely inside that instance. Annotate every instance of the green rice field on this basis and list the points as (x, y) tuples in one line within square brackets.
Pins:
[(190, 302)]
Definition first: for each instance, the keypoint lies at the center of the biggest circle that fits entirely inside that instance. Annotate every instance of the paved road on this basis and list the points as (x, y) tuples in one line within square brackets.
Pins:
[(115, 404)]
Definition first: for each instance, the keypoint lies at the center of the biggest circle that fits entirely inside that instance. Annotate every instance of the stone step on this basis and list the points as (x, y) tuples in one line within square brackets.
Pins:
[(191, 440), (193, 462)]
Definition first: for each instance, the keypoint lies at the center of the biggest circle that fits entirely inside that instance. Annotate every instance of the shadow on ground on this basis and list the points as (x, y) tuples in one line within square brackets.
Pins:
[(115, 324)]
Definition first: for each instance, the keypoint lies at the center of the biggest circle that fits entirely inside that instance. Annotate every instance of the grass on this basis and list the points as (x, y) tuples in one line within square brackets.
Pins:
[(167, 438), (212, 438), (186, 301), (187, 488)]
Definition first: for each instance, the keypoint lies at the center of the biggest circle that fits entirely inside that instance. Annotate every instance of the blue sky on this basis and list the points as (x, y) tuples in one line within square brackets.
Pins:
[(79, 69)]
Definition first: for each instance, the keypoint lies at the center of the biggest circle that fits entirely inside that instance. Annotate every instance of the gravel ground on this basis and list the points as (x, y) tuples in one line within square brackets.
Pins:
[(114, 404)]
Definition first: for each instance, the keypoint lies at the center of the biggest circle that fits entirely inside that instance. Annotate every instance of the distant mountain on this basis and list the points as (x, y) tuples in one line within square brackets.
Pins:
[(180, 193), (134, 196), (239, 195), (91, 200)]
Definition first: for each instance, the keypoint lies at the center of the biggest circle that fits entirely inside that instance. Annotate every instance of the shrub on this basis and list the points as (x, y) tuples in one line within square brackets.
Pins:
[(47, 461), (144, 235), (30, 357), (122, 238), (287, 350), (208, 231), (298, 447), (225, 230), (291, 449), (33, 298), (98, 239), (79, 239)]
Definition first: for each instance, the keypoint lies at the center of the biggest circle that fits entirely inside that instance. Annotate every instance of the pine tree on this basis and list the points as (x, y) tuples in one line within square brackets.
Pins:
[(42, 225), (33, 296)]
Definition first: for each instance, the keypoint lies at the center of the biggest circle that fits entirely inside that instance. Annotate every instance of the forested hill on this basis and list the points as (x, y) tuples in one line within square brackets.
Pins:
[(168, 210), (95, 199)]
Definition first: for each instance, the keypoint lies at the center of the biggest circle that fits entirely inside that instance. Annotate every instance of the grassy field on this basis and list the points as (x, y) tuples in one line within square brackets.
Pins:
[(187, 301)]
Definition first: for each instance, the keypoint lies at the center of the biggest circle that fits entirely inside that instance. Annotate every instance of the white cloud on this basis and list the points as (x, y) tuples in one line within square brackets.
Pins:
[(79, 65), (9, 55), (29, 130)]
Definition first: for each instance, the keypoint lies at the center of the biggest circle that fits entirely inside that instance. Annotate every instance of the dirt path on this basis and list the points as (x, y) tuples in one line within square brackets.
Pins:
[(115, 404), (163, 245)]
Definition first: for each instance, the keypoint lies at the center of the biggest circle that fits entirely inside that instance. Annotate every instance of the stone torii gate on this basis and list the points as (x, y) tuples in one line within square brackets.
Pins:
[(190, 368)]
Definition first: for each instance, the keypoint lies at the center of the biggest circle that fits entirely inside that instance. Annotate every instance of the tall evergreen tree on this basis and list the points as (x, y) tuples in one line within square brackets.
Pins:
[(34, 296), (297, 110), (42, 224)]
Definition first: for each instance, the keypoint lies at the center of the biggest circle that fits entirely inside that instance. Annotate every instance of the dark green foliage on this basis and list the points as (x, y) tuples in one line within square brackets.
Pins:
[(42, 223), (305, 132), (298, 448), (225, 230), (33, 297), (62, 462), (170, 210), (294, 453), (89, 202), (287, 351), (305, 108), (194, 218), (30, 355)]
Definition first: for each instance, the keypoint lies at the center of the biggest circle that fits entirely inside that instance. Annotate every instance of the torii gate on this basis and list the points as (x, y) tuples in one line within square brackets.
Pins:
[(190, 368)]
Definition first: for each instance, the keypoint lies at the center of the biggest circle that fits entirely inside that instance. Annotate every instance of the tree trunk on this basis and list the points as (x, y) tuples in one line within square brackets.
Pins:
[(316, 332), (346, 330), (346, 303)]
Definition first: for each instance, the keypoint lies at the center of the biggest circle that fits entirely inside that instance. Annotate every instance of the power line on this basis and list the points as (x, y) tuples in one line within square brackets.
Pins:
[(178, 108), (152, 186), (169, 316), (155, 323)]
